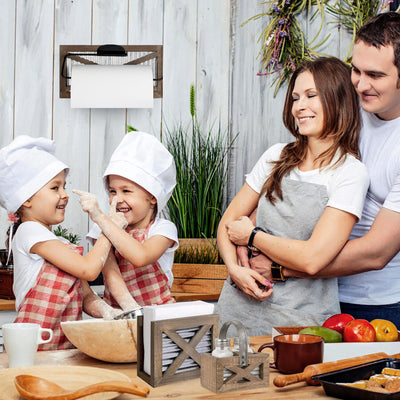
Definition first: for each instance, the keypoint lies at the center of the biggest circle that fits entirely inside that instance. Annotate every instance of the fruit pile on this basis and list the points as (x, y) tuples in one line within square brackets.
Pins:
[(343, 327)]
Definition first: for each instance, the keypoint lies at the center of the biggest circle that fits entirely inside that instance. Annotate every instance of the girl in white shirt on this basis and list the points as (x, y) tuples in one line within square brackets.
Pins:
[(47, 270)]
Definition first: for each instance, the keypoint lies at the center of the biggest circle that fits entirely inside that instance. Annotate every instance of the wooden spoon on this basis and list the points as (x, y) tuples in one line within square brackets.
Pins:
[(35, 388)]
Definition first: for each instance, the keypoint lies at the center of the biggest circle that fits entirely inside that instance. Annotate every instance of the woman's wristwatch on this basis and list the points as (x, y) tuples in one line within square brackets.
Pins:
[(277, 272), (250, 245)]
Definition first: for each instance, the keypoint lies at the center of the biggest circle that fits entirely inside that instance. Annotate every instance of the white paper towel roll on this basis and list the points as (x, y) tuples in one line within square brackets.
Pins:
[(111, 86)]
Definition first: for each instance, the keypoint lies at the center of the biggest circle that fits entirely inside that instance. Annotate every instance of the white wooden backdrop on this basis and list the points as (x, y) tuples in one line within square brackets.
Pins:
[(204, 43)]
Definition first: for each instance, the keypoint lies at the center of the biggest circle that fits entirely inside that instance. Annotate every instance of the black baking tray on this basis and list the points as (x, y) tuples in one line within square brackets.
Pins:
[(330, 381)]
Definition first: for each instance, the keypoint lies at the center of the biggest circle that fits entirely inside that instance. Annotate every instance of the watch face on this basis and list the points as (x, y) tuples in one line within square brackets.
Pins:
[(276, 272)]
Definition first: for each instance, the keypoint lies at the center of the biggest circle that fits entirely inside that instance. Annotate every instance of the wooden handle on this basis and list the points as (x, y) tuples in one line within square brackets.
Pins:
[(284, 380), (108, 386), (316, 369)]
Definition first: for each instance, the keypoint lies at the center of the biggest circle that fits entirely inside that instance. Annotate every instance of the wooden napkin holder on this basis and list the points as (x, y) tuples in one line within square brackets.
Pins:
[(243, 368), (157, 377)]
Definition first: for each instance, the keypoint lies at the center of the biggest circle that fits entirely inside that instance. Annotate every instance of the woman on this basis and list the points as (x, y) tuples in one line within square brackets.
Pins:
[(309, 194)]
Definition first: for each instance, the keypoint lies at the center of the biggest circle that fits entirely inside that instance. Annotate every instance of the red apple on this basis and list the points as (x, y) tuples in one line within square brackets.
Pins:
[(359, 330), (337, 322)]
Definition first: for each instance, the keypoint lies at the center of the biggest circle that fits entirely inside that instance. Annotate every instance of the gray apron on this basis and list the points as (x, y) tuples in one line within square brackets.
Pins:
[(296, 302)]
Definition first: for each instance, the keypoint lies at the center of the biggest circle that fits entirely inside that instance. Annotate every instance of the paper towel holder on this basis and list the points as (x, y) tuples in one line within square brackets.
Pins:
[(110, 54)]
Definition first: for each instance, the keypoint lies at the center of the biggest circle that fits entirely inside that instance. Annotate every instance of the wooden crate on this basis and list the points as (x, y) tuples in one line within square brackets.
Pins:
[(157, 377)]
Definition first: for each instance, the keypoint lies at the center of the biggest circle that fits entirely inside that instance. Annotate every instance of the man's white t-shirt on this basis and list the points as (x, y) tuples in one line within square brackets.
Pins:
[(161, 227), (380, 152), (27, 265), (346, 184)]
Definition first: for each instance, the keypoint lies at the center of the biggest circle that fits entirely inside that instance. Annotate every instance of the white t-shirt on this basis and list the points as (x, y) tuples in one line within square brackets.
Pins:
[(161, 227), (380, 151), (26, 264), (346, 184)]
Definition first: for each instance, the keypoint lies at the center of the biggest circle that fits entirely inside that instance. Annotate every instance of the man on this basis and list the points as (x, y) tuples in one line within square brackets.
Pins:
[(373, 251), (369, 264)]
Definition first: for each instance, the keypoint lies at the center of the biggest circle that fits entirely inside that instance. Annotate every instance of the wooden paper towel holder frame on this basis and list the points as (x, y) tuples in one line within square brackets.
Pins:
[(107, 55)]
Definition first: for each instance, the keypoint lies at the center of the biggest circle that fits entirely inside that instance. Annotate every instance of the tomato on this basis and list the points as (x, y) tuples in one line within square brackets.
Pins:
[(359, 330), (385, 330), (337, 322)]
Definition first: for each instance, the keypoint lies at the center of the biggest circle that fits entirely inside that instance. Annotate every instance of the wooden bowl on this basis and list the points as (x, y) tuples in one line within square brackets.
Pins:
[(106, 340)]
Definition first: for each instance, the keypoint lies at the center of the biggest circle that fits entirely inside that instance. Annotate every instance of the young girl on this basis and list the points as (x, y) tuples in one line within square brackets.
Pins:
[(47, 268), (141, 174), (309, 194)]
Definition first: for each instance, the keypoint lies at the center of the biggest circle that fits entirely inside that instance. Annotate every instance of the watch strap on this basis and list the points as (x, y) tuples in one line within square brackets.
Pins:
[(251, 238)]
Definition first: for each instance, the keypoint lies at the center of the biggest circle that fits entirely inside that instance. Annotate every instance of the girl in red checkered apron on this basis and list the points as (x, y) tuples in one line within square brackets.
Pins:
[(47, 269), (138, 272)]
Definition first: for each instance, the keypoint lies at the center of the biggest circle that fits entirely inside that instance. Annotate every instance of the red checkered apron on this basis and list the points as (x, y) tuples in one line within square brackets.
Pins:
[(148, 285), (56, 296)]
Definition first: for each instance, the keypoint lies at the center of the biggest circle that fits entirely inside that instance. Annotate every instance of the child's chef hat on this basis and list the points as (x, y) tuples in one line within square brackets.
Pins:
[(26, 165), (142, 159)]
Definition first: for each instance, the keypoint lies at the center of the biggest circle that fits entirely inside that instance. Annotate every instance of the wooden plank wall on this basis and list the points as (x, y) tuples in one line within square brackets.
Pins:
[(204, 44)]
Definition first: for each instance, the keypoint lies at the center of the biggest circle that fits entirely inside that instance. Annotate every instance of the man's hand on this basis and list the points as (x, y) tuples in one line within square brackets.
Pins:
[(262, 264), (117, 217), (89, 203), (242, 253), (239, 231)]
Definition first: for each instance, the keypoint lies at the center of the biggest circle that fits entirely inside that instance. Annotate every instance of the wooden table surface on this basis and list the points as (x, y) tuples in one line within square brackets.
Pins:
[(180, 390)]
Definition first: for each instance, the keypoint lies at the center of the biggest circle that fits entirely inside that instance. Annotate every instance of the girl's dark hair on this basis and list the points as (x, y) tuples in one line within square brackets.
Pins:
[(382, 30), (15, 226), (341, 120)]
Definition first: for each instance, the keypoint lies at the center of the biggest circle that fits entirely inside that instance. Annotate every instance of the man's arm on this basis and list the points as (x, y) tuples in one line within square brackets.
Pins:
[(369, 252)]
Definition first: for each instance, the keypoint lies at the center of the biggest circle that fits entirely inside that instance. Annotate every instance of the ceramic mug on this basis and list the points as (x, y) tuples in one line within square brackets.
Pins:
[(21, 341), (292, 353)]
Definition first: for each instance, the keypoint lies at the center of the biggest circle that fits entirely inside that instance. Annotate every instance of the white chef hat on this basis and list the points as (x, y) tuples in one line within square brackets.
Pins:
[(144, 160), (26, 165)]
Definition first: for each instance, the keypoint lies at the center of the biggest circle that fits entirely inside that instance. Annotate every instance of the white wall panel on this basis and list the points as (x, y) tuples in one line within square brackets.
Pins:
[(34, 68), (180, 53), (213, 62), (7, 46), (71, 126), (146, 28), (107, 126)]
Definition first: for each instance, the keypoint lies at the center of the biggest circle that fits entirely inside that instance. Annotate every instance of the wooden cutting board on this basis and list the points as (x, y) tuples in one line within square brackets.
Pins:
[(69, 377)]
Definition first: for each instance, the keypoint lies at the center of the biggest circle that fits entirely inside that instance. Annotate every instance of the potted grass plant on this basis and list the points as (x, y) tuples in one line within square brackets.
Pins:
[(197, 203), (201, 157)]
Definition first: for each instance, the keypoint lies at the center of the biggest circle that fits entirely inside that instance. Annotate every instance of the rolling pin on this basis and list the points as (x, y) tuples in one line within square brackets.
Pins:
[(321, 368)]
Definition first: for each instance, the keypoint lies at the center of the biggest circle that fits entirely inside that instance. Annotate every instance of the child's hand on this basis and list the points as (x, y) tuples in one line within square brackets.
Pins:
[(88, 203), (117, 217)]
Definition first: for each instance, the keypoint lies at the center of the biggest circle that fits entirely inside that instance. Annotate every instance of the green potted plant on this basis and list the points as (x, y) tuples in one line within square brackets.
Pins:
[(201, 158), (197, 204)]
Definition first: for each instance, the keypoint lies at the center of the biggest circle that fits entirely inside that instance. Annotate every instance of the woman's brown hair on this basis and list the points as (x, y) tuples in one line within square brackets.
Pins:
[(341, 120)]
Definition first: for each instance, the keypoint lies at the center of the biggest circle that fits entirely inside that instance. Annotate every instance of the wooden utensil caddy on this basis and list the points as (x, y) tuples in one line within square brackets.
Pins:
[(157, 377), (243, 368)]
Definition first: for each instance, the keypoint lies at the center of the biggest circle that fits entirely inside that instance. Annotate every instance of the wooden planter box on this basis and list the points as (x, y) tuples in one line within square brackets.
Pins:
[(197, 281)]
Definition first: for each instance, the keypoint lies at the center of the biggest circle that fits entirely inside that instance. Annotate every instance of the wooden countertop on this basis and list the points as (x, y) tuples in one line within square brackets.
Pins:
[(7, 304), (181, 390)]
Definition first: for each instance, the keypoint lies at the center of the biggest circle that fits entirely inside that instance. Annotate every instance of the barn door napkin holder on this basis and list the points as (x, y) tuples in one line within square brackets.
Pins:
[(170, 330)]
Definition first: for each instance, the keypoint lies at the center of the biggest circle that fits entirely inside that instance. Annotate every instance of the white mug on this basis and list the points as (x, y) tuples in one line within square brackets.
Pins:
[(21, 341)]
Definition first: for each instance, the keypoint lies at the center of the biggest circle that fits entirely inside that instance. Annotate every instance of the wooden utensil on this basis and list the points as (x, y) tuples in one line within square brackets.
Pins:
[(35, 388), (321, 368)]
